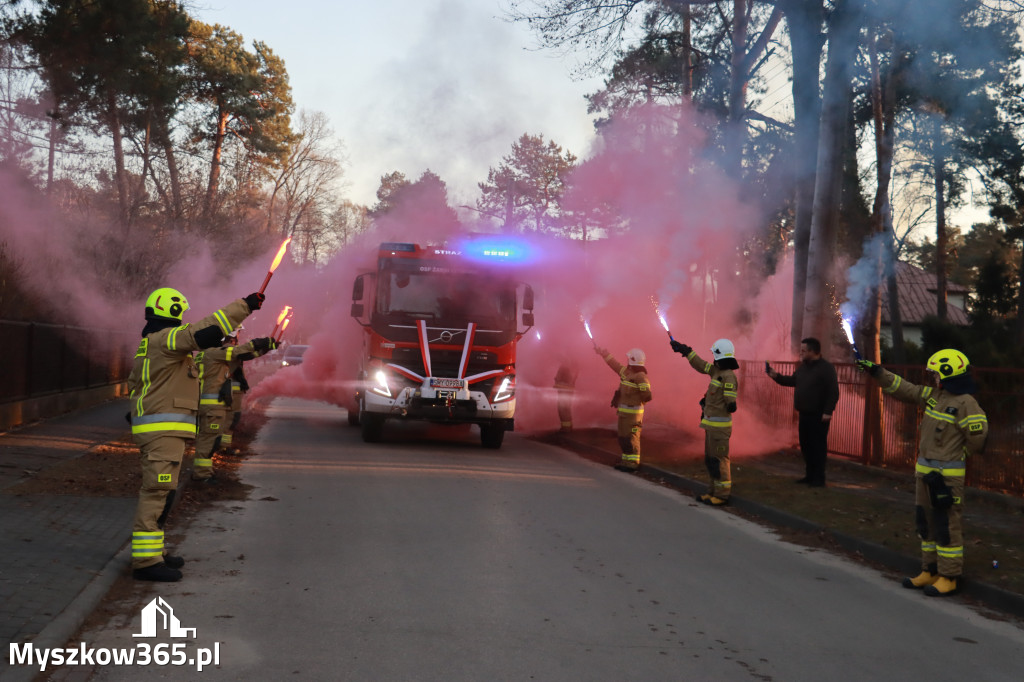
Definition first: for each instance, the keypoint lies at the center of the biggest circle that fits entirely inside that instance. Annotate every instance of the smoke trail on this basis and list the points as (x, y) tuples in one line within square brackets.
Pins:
[(865, 276)]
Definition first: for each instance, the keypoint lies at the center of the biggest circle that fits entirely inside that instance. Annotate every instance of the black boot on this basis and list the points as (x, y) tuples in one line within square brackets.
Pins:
[(157, 573), (173, 561)]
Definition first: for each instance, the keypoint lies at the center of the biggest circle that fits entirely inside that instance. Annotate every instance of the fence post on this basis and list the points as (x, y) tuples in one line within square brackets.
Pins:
[(29, 365)]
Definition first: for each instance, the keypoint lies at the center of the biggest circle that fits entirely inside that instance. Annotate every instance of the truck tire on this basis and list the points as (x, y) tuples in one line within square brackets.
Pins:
[(372, 426), (353, 412), (491, 435)]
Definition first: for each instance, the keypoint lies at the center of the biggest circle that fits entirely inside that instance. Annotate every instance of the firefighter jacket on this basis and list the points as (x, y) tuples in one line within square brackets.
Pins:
[(953, 425), (164, 381), (565, 377), (215, 369), (634, 388), (720, 395)]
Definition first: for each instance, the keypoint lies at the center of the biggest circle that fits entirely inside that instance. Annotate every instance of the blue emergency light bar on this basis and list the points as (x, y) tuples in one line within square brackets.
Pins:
[(496, 250), (398, 246)]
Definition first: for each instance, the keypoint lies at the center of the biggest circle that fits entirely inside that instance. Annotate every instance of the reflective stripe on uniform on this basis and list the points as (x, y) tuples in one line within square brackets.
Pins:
[(939, 416), (954, 469), (631, 409), (172, 337), (928, 546), (950, 552), (147, 544), (236, 386), (146, 382), (149, 423), (630, 457), (203, 462), (718, 422), (972, 419), (894, 386), (223, 322)]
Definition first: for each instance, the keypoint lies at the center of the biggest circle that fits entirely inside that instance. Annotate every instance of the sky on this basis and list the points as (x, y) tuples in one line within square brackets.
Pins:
[(409, 85)]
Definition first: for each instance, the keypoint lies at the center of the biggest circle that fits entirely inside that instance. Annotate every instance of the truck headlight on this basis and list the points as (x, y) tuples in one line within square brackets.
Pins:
[(506, 390), (380, 385)]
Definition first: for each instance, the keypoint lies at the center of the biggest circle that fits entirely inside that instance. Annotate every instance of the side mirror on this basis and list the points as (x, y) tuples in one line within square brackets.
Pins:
[(357, 293), (357, 310), (528, 319), (528, 299)]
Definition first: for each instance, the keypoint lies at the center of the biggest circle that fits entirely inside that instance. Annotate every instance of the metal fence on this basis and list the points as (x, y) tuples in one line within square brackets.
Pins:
[(880, 431), (43, 359)]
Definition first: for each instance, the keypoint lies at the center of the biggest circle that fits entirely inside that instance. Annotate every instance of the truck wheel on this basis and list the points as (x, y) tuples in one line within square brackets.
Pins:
[(353, 413), (372, 426), (491, 436)]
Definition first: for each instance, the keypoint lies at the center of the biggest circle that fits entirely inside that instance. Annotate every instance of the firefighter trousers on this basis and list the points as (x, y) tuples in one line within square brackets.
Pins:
[(564, 404), (941, 530), (630, 426), (212, 422), (161, 463), (716, 459)]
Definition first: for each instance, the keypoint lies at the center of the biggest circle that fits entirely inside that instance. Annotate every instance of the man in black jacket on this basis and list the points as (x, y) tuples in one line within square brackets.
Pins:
[(815, 396)]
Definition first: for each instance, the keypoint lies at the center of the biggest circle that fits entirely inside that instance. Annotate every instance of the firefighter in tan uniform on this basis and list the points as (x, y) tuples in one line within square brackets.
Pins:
[(953, 427), (565, 389), (717, 406), (164, 395), (633, 392), (216, 397), (238, 387)]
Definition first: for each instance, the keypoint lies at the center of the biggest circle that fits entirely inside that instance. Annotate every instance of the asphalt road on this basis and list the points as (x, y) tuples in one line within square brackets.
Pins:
[(428, 559)]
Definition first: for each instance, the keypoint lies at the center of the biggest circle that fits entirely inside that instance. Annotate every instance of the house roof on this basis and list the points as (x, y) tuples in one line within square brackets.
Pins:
[(918, 294)]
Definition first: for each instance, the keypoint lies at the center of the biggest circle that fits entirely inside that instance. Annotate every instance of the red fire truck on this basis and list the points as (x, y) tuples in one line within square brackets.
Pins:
[(440, 328)]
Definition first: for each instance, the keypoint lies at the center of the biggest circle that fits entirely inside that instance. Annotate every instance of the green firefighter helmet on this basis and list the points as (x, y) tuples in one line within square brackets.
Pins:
[(166, 302), (948, 363)]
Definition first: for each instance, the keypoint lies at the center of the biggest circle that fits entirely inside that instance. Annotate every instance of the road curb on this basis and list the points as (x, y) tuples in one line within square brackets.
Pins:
[(990, 595)]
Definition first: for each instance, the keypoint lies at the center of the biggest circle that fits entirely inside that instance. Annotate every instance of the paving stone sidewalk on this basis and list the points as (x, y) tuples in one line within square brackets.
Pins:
[(54, 547)]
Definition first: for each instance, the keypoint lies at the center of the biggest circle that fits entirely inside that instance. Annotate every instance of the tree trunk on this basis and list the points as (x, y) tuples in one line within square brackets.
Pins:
[(51, 154), (939, 162), (1019, 326), (819, 321), (687, 53), (120, 176), (737, 90), (885, 140), (140, 188), (804, 20), (215, 163), (177, 209)]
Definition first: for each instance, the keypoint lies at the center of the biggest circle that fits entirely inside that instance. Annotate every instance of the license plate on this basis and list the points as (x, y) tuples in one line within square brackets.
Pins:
[(441, 382)]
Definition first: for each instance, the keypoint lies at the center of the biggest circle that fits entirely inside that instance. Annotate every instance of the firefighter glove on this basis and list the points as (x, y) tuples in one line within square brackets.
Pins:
[(680, 347), (869, 367), (255, 301), (600, 351), (264, 344), (224, 394), (731, 407)]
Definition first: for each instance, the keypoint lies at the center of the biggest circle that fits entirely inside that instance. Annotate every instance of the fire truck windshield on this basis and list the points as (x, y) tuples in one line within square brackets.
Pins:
[(452, 298)]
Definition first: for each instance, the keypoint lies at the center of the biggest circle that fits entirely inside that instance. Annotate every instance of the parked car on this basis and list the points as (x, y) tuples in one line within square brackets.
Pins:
[(293, 355)]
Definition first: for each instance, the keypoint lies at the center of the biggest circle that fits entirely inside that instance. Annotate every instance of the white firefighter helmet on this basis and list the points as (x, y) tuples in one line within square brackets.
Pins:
[(636, 357), (722, 349)]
